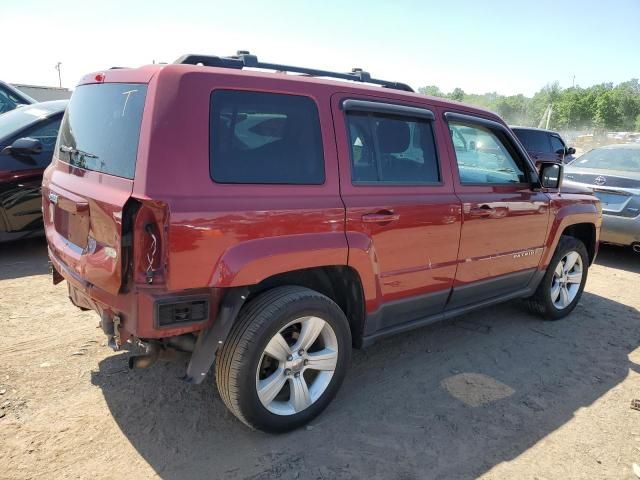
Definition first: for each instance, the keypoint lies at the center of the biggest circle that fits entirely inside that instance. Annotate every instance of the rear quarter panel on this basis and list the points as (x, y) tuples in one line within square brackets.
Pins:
[(223, 235)]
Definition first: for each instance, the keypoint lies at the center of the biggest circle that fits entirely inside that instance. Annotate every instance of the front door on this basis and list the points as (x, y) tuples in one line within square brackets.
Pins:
[(504, 220), (402, 217), (21, 177)]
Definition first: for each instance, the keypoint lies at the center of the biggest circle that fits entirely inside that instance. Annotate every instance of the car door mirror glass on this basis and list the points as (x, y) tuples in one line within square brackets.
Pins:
[(550, 175), (571, 151)]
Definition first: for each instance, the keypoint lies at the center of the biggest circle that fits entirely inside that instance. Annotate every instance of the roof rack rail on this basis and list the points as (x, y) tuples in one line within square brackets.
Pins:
[(244, 59)]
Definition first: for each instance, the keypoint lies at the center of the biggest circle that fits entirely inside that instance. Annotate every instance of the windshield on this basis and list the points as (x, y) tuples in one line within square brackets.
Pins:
[(101, 128), (14, 121), (623, 159)]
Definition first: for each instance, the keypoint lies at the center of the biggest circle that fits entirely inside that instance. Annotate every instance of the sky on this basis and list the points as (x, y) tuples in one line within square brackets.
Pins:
[(480, 46)]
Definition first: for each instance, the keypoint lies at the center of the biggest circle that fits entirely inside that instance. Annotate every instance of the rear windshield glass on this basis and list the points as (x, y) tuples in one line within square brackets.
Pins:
[(101, 128), (265, 138)]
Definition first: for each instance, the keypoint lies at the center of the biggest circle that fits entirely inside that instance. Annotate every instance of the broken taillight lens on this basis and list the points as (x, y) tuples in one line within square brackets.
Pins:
[(149, 243)]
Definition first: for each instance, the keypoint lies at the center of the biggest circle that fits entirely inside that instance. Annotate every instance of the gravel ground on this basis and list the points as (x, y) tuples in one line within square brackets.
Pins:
[(495, 394)]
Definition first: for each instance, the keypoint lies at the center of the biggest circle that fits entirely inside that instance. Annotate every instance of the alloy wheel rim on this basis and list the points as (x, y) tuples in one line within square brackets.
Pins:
[(567, 278), (297, 366)]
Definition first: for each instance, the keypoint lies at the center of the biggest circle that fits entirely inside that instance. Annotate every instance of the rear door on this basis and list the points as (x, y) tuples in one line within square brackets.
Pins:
[(400, 206), (504, 220), (86, 187)]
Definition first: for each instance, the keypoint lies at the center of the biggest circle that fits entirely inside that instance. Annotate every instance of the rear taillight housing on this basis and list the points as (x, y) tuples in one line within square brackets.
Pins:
[(149, 234)]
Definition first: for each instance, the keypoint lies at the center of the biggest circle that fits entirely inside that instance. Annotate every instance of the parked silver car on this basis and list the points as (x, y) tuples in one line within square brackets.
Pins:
[(613, 173)]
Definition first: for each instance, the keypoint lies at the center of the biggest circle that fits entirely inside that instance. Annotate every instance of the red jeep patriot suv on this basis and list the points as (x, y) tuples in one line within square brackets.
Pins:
[(269, 221)]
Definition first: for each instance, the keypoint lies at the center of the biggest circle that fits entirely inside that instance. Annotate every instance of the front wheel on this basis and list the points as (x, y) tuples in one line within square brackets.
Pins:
[(563, 283), (284, 359)]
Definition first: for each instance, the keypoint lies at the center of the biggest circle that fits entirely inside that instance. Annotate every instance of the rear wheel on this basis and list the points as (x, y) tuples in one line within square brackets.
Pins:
[(284, 359), (563, 283)]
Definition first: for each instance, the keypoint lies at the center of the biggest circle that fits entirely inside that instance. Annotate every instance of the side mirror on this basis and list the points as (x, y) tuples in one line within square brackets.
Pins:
[(570, 151), (550, 175), (24, 146)]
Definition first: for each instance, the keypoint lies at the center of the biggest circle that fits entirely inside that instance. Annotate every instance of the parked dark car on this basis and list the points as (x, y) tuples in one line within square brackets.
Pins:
[(266, 223), (27, 139), (613, 173), (11, 98), (545, 145)]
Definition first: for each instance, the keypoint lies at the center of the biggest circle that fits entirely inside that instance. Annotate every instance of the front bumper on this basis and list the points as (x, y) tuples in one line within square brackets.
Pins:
[(620, 230)]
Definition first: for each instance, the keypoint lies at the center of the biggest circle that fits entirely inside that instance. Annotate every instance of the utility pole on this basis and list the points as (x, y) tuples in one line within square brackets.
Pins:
[(57, 67), (573, 86)]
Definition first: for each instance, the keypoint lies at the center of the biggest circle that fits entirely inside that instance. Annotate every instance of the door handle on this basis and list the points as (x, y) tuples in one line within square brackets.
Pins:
[(380, 217), (483, 211)]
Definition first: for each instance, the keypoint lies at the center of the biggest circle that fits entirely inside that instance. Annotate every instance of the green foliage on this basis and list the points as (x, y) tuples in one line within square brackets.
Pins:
[(600, 107), (457, 94), (431, 90)]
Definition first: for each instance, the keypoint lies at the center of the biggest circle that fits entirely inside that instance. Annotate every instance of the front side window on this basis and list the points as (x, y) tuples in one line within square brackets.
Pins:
[(265, 138), (483, 157), (47, 132), (391, 149)]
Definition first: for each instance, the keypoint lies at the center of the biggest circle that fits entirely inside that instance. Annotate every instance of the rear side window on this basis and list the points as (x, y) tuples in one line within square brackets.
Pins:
[(265, 138), (391, 149), (534, 140), (101, 128)]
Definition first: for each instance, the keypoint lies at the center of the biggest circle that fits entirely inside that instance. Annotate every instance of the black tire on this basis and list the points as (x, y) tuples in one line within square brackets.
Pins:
[(238, 359), (541, 302)]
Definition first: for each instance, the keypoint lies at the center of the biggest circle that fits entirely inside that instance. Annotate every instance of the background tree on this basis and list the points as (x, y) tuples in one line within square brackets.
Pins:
[(602, 107)]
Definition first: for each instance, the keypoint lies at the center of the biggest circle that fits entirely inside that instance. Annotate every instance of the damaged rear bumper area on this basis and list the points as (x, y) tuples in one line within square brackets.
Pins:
[(163, 325)]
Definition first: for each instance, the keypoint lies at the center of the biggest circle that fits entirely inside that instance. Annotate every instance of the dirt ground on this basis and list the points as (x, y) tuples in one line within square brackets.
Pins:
[(496, 394)]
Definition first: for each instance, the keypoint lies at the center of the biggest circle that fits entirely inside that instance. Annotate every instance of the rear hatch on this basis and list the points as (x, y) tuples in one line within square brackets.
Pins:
[(87, 186)]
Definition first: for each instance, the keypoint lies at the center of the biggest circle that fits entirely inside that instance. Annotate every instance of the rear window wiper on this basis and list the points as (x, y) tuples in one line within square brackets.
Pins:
[(75, 151)]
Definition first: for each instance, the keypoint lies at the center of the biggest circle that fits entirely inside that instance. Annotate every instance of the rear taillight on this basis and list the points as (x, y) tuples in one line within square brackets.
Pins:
[(149, 243)]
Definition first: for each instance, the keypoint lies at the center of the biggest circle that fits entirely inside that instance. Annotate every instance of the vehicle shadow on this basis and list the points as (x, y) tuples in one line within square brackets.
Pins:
[(446, 401), (623, 258), (23, 258)]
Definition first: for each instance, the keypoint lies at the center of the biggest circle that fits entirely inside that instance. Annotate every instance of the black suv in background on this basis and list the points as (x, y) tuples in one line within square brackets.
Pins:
[(544, 145)]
